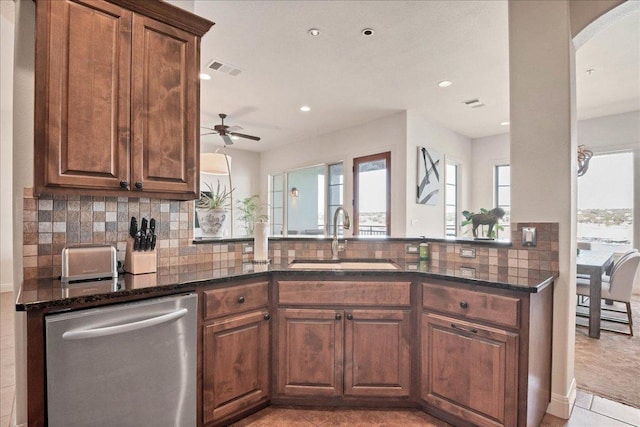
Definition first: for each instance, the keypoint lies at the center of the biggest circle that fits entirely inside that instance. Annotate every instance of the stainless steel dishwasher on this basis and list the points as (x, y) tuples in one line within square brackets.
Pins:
[(130, 364)]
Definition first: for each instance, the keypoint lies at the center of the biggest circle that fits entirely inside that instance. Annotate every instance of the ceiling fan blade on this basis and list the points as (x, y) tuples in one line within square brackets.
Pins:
[(241, 135), (227, 139), (207, 128), (209, 133)]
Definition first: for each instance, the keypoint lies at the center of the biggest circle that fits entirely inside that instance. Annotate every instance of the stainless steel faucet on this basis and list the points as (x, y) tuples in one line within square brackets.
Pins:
[(346, 223)]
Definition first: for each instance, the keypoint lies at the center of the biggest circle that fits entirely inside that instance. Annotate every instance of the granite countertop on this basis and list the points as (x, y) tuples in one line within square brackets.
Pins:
[(37, 294)]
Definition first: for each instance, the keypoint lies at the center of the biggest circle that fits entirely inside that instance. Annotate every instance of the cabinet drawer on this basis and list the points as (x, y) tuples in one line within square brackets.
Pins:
[(497, 309), (344, 293), (222, 302)]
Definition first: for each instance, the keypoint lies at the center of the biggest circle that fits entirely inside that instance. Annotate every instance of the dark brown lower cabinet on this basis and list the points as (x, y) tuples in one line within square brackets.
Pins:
[(235, 351), (470, 370), (331, 353)]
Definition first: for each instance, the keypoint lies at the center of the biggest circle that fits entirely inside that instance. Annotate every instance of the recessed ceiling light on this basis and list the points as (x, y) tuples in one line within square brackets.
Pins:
[(367, 32), (314, 32), (305, 108), (504, 124), (590, 71), (205, 76), (445, 83)]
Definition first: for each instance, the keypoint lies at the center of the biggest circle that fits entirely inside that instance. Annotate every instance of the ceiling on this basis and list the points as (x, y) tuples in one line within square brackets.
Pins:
[(348, 79)]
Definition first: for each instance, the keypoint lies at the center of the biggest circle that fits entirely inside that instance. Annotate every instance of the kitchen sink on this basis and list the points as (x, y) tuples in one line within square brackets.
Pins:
[(344, 265)]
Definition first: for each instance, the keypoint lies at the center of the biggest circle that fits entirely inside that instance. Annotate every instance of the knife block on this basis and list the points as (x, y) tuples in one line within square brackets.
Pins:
[(139, 262)]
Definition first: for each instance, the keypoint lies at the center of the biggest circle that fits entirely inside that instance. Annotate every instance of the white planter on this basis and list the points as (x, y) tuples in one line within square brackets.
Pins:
[(212, 221)]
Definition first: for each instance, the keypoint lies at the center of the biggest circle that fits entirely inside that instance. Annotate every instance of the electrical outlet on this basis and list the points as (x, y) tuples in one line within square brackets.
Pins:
[(467, 253)]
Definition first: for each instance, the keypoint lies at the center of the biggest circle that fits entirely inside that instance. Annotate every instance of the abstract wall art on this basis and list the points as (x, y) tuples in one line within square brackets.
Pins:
[(428, 179)]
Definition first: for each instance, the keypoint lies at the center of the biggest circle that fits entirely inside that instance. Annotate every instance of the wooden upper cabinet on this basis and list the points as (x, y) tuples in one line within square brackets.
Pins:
[(82, 95), (165, 97), (117, 98)]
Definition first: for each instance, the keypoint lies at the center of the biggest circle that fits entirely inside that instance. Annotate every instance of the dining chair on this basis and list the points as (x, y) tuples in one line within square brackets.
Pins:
[(620, 285)]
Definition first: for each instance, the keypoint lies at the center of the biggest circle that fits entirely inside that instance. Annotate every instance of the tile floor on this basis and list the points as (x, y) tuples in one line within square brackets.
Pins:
[(7, 359), (589, 410)]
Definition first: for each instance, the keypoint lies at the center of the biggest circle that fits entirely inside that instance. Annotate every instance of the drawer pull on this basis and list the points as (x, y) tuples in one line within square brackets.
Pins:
[(473, 331), (349, 316), (338, 316), (138, 185), (124, 184), (463, 304), (267, 316), (241, 300)]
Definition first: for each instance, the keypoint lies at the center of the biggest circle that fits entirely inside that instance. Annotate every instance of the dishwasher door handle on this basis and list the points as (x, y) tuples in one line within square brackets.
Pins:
[(127, 327)]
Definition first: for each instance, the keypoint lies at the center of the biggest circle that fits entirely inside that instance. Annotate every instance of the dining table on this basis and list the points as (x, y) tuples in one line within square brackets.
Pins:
[(594, 263)]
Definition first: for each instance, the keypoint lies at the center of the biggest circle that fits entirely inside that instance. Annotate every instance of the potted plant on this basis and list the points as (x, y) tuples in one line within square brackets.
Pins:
[(213, 209), (251, 211)]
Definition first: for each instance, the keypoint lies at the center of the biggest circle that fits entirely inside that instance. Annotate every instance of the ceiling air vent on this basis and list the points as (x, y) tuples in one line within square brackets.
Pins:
[(222, 67), (474, 103)]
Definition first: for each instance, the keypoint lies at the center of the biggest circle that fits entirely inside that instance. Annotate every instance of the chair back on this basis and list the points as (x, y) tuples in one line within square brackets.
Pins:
[(623, 278), (622, 258)]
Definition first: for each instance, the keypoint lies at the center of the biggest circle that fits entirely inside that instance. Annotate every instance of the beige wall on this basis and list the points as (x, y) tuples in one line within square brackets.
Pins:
[(543, 176), (7, 27)]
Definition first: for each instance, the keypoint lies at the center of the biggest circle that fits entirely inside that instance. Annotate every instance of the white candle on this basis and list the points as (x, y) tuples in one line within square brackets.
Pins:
[(261, 242)]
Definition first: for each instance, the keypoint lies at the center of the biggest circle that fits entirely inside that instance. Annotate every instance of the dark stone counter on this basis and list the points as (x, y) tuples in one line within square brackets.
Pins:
[(38, 294)]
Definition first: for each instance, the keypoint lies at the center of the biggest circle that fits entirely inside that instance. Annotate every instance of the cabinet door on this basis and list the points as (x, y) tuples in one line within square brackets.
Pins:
[(377, 353), (470, 370), (83, 56), (165, 108), (310, 351), (235, 365)]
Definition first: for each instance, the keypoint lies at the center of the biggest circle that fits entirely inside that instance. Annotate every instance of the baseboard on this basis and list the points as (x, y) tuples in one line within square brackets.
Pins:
[(561, 406), (6, 287)]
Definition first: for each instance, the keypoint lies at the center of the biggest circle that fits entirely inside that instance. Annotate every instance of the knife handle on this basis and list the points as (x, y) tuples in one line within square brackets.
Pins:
[(136, 243), (153, 241)]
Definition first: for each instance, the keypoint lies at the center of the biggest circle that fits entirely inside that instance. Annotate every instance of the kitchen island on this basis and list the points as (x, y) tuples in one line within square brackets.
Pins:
[(470, 350)]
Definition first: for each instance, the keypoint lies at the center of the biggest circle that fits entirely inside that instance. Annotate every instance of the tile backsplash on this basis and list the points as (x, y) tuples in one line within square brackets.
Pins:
[(52, 222)]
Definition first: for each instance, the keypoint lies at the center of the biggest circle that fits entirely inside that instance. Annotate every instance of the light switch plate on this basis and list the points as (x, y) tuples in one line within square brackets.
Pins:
[(411, 249), (468, 272), (467, 253), (247, 249), (529, 236)]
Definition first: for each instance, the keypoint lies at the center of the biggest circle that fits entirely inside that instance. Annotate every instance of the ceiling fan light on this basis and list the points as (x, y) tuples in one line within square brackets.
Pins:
[(215, 163)]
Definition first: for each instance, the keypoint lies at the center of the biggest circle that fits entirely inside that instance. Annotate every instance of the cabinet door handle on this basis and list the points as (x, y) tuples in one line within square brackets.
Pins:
[(473, 331), (349, 316), (124, 184), (338, 316), (241, 300), (138, 185), (463, 304), (267, 316)]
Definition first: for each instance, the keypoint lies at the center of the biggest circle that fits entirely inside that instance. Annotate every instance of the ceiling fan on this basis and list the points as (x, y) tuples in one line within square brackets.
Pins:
[(226, 132)]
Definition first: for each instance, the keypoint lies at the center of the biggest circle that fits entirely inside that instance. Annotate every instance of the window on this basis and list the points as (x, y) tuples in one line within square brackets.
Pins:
[(605, 202), (372, 195), (334, 193), (451, 200), (503, 199), (302, 201), (276, 214)]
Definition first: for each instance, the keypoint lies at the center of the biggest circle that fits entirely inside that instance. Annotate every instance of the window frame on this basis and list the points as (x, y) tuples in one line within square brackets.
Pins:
[(357, 161)]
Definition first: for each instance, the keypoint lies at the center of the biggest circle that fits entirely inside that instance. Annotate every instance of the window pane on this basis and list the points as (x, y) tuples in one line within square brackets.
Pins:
[(605, 202), (451, 174), (336, 174), (372, 194), (504, 196), (278, 182), (450, 194), (504, 175)]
